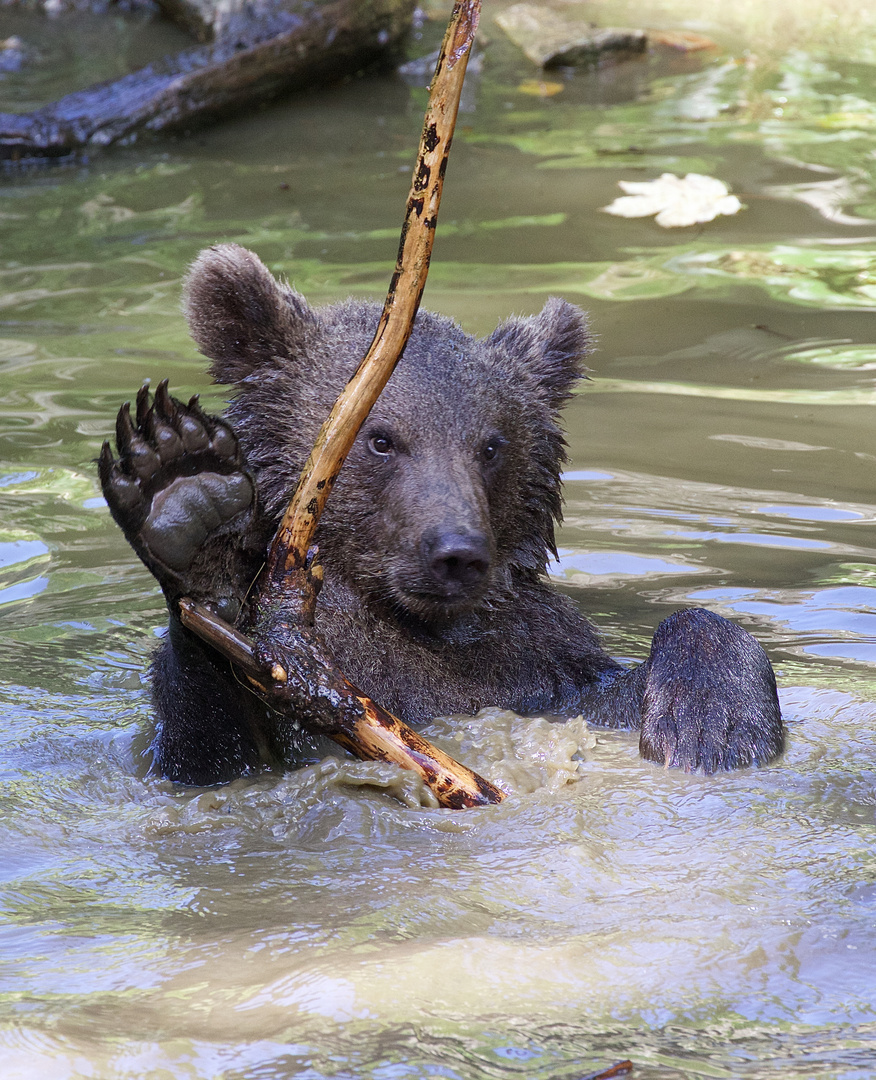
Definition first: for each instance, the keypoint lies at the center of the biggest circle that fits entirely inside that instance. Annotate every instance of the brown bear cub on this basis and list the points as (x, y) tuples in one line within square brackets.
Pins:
[(434, 542)]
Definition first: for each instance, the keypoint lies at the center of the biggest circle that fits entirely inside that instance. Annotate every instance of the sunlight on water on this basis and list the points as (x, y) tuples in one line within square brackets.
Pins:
[(331, 921)]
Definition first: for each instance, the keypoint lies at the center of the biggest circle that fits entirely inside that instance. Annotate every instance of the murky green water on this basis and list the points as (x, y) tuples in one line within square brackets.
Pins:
[(312, 925)]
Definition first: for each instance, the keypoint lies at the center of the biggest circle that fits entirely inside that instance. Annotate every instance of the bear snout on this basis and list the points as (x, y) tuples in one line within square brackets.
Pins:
[(456, 563)]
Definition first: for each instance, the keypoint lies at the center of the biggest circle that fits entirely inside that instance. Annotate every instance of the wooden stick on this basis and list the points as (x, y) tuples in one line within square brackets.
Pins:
[(289, 549), (286, 663), (294, 674)]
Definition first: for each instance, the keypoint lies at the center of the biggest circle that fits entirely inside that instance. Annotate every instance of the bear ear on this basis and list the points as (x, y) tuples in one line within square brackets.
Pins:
[(239, 315), (550, 347)]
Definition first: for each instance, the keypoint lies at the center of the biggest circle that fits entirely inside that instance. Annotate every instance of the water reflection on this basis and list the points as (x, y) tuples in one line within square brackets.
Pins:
[(832, 622)]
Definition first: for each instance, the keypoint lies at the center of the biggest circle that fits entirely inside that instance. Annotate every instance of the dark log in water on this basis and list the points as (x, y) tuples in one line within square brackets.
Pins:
[(264, 59)]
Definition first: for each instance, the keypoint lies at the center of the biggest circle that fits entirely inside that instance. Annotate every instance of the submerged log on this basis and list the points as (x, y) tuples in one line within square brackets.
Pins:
[(265, 58)]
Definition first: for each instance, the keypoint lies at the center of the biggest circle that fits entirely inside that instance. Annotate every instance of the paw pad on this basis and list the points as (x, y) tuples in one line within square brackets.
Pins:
[(178, 479)]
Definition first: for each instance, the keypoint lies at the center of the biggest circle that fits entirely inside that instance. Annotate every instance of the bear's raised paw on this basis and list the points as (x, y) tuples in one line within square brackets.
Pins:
[(179, 481)]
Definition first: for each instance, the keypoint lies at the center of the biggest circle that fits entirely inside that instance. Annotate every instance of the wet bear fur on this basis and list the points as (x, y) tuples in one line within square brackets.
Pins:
[(434, 542)]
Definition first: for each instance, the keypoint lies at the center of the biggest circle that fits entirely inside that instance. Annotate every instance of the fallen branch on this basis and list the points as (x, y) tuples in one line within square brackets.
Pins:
[(286, 662), (241, 69), (293, 673)]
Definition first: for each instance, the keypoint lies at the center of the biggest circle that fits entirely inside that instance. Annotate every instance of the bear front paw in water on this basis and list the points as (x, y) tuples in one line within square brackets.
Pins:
[(434, 545), (710, 697), (176, 487)]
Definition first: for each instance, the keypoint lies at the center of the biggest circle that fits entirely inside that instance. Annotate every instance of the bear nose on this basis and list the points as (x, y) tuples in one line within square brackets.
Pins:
[(454, 559)]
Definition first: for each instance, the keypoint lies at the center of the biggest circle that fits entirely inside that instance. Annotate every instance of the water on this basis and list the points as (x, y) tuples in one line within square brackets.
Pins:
[(322, 923)]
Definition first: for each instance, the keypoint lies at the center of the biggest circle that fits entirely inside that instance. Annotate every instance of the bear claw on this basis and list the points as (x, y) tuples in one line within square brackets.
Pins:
[(179, 479)]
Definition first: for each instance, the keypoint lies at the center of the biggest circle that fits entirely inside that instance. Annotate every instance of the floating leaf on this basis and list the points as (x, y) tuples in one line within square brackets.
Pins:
[(677, 202), (540, 88)]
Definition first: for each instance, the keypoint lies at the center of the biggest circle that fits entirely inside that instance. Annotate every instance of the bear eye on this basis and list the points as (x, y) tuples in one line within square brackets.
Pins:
[(490, 450), (381, 445)]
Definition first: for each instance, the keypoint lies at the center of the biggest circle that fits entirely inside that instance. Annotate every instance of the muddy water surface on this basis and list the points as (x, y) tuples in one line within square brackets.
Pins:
[(326, 923)]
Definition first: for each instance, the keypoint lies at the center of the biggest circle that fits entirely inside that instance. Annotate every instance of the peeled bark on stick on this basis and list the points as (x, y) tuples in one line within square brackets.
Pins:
[(286, 662), (263, 60)]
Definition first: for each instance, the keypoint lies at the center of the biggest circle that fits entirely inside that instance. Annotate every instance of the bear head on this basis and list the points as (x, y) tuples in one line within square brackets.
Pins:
[(452, 489)]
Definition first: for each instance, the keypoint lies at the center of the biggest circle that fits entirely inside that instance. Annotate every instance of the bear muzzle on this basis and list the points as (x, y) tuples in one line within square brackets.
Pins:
[(447, 573), (456, 564)]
